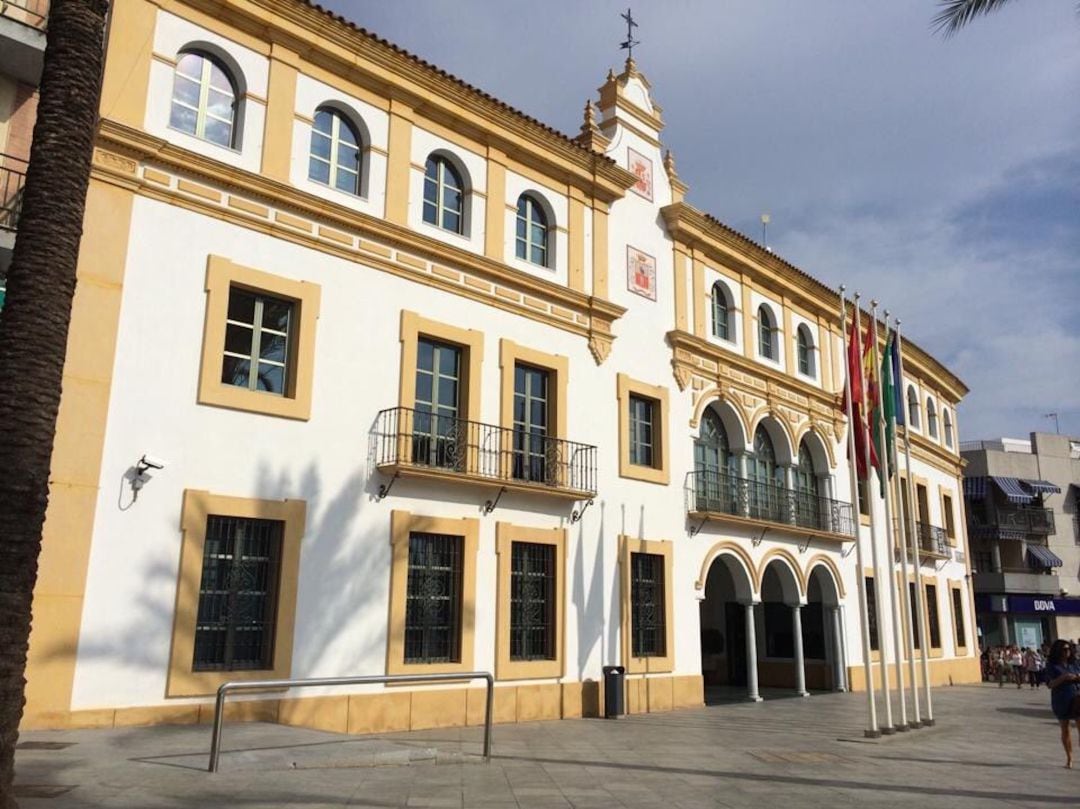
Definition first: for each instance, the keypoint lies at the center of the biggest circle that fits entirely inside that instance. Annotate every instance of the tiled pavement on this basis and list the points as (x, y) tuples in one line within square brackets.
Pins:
[(991, 748)]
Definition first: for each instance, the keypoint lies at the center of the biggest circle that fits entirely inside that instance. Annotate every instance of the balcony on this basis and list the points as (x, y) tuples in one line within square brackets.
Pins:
[(12, 179), (1017, 580), (22, 38), (933, 541), (997, 522), (414, 443), (727, 498)]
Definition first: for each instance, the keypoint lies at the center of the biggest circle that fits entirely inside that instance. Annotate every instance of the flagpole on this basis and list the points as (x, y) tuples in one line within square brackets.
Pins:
[(916, 562), (885, 478), (888, 728), (898, 491), (864, 624)]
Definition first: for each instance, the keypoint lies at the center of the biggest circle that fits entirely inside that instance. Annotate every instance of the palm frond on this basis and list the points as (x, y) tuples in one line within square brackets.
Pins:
[(955, 14)]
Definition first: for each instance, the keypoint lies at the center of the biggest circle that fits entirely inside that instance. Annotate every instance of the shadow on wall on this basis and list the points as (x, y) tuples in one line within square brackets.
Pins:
[(336, 583)]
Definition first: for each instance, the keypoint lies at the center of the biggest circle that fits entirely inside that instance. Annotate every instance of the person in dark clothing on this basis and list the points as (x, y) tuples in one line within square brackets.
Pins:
[(1063, 677)]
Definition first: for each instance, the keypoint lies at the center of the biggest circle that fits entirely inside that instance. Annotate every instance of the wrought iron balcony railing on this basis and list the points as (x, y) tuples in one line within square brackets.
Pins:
[(12, 180), (932, 539), (409, 439), (34, 13), (1011, 522), (720, 493)]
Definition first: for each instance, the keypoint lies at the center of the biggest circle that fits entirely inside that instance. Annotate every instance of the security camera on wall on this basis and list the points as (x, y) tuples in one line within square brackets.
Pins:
[(147, 462)]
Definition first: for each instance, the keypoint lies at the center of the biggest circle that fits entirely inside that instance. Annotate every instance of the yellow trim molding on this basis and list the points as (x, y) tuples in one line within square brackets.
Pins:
[(734, 549), (197, 507), (75, 477), (506, 669), (221, 276), (660, 663), (402, 525), (659, 472)]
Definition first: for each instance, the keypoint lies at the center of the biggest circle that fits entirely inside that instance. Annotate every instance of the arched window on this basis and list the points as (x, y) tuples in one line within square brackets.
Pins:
[(808, 507), (714, 467), (444, 195), (335, 152), (532, 231), (931, 418), (721, 312), (947, 421), (805, 344), (761, 464), (766, 341), (204, 99), (806, 481), (913, 407)]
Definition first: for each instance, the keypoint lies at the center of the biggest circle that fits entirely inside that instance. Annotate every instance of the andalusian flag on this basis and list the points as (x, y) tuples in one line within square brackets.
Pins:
[(888, 410)]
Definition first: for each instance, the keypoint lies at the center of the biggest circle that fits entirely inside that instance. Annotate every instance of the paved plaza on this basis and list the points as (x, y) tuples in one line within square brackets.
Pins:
[(991, 748)]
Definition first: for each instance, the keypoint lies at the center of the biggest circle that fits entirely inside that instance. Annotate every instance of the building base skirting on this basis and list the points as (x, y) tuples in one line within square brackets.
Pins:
[(943, 671), (398, 709)]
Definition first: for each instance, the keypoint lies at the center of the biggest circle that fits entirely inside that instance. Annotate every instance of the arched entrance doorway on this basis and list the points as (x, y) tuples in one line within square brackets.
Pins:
[(823, 634), (728, 665), (782, 658)]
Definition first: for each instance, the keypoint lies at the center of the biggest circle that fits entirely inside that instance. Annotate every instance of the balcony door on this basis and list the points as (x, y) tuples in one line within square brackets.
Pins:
[(808, 511), (438, 433), (714, 478), (532, 410), (765, 478)]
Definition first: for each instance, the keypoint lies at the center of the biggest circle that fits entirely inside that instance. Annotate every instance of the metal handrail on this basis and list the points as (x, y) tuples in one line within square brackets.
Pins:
[(374, 679)]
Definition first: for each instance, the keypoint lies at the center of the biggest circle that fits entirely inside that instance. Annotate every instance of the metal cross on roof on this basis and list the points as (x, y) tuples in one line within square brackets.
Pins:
[(630, 42)]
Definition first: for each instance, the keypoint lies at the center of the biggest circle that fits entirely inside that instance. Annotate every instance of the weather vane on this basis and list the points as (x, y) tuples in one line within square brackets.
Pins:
[(630, 42)]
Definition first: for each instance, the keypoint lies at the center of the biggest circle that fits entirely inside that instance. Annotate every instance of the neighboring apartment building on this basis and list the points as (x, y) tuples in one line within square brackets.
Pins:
[(1021, 499), (436, 388), (22, 48)]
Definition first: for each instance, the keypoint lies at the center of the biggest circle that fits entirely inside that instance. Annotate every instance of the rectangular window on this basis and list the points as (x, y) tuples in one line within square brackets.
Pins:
[(916, 627), (532, 601), (871, 613), (257, 342), (531, 423), (950, 525), (864, 498), (642, 426), (958, 618), (923, 503), (932, 616), (234, 629), (438, 434), (647, 605), (433, 599)]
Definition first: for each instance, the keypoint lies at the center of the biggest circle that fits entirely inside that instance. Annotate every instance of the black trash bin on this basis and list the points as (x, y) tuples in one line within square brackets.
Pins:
[(614, 691)]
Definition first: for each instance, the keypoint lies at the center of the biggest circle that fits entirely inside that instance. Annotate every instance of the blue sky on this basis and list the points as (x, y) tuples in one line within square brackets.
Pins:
[(940, 176)]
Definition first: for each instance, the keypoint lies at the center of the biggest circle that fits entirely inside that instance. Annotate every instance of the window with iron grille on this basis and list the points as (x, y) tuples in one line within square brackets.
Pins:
[(642, 413), (234, 630), (257, 332), (532, 601), (914, 618), (932, 616), (648, 638), (871, 612), (433, 599), (958, 618)]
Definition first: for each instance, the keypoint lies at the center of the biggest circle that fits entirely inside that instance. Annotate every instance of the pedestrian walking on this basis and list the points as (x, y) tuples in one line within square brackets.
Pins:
[(1033, 664), (1063, 677), (1016, 665)]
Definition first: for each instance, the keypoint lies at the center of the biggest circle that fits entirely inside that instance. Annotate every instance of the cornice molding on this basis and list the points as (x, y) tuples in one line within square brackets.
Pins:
[(698, 230), (121, 151), (335, 43)]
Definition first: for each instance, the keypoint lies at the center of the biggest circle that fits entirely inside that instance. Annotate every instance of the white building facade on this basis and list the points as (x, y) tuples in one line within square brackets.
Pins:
[(437, 389)]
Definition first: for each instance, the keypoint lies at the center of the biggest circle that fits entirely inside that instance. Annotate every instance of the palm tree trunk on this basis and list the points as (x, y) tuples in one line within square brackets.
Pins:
[(34, 328)]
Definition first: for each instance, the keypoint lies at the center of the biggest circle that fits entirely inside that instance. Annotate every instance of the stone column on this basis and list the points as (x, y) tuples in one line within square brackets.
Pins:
[(995, 547), (800, 662), (751, 655), (745, 505), (839, 656), (787, 497)]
